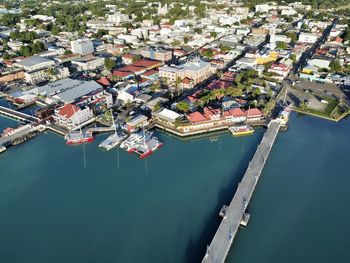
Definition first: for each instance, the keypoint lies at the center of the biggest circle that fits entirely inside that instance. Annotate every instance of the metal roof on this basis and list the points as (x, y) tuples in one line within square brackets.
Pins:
[(78, 91), (32, 61)]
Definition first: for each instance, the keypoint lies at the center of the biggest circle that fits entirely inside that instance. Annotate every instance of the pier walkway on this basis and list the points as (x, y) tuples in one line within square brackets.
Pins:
[(221, 243), (9, 139), (17, 115)]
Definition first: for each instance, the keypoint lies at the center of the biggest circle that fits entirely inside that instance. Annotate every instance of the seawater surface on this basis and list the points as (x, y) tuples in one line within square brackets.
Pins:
[(79, 204), (300, 209)]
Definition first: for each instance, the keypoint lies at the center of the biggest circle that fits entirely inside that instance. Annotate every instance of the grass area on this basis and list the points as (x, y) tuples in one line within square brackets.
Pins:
[(343, 7), (334, 110)]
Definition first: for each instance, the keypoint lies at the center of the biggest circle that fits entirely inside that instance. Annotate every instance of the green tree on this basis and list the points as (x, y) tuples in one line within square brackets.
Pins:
[(109, 64), (281, 45), (198, 30), (183, 106), (25, 51), (335, 66), (213, 34)]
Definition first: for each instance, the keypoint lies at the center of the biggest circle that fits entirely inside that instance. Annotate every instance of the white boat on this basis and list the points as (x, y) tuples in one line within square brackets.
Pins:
[(113, 140), (142, 143), (241, 130), (2, 149)]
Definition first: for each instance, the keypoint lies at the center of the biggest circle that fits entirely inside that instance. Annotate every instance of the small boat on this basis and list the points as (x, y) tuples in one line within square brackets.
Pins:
[(79, 137), (241, 130), (2, 149), (113, 140)]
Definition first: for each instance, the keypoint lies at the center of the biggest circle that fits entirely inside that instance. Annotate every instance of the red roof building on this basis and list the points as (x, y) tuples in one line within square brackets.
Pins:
[(254, 112), (196, 117), (237, 112), (104, 81), (68, 110)]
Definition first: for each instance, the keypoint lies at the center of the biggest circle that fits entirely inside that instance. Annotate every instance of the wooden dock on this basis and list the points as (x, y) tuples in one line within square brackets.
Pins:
[(224, 236)]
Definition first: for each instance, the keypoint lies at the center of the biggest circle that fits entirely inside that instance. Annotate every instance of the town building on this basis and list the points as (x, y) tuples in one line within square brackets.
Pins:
[(196, 70), (157, 54), (88, 63), (82, 46), (307, 37), (71, 117)]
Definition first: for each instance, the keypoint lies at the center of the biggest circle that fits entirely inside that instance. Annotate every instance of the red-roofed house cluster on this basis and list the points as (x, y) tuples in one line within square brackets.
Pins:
[(211, 118)]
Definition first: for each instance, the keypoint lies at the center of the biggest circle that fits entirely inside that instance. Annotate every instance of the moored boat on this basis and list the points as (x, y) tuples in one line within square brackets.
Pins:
[(142, 143), (113, 141), (79, 137), (2, 149), (241, 130)]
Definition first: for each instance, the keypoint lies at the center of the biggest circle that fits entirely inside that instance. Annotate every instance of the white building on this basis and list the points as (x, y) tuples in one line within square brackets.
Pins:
[(195, 70), (82, 46), (307, 38), (117, 18), (90, 63), (264, 8), (71, 117)]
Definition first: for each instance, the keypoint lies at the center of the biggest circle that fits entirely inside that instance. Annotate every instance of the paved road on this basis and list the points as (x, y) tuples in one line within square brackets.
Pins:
[(227, 230)]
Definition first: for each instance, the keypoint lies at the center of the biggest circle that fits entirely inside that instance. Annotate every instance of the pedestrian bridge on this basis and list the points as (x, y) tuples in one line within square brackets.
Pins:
[(224, 236)]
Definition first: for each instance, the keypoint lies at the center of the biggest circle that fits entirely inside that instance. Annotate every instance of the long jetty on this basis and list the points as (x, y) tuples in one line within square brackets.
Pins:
[(17, 115), (224, 236)]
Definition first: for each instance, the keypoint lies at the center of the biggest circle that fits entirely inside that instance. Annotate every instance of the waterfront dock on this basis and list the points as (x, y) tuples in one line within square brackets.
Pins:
[(224, 236), (21, 135), (17, 115)]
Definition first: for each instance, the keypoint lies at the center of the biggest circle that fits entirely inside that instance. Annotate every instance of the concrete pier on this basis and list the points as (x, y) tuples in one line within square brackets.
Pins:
[(224, 236)]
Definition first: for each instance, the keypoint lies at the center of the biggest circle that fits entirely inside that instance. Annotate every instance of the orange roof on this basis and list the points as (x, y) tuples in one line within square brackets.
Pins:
[(196, 117), (146, 63), (120, 73), (104, 81), (68, 110), (237, 112), (150, 72), (254, 112)]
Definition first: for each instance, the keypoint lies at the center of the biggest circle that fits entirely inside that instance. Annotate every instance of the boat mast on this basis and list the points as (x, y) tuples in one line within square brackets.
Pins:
[(115, 128), (285, 96), (76, 119)]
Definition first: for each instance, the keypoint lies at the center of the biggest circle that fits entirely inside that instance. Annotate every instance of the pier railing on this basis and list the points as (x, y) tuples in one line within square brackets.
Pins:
[(221, 243)]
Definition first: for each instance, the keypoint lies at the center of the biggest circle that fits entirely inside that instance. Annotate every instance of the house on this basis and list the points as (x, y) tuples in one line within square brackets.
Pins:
[(128, 59), (254, 114), (166, 116), (137, 122), (71, 117), (281, 70), (235, 115)]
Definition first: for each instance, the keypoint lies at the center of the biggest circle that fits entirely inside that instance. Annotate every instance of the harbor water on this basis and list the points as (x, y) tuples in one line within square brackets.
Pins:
[(80, 204)]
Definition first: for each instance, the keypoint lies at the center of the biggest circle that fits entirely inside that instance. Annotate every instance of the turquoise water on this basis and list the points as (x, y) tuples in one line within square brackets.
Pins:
[(118, 208), (300, 210)]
